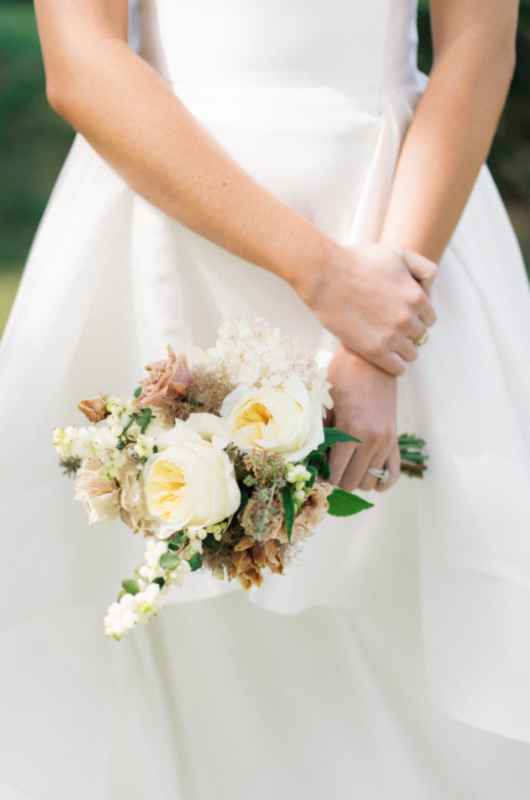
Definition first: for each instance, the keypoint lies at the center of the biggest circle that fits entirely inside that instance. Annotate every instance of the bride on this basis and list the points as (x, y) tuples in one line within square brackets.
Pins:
[(283, 159)]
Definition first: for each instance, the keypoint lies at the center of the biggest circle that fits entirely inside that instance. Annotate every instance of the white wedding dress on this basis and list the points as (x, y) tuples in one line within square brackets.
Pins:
[(392, 662)]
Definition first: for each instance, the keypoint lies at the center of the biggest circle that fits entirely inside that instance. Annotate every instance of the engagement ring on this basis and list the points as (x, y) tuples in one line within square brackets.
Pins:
[(381, 474)]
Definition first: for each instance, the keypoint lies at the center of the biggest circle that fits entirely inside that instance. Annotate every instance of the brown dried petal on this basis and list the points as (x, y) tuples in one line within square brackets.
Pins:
[(251, 577), (95, 409), (259, 555), (243, 561), (99, 495), (275, 560), (168, 381), (244, 544)]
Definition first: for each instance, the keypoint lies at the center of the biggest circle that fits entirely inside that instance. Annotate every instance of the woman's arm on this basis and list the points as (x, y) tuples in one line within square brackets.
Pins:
[(454, 124), (364, 295), (446, 144)]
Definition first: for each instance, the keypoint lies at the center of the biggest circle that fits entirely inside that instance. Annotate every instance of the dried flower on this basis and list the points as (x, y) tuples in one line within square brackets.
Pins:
[(99, 494), (95, 409), (133, 510), (168, 381), (312, 511)]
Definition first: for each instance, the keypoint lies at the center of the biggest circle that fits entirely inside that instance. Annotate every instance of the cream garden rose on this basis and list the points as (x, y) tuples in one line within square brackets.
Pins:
[(282, 420), (190, 483)]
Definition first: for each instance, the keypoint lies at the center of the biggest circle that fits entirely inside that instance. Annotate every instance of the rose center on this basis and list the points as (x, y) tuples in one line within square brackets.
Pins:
[(254, 419), (168, 489)]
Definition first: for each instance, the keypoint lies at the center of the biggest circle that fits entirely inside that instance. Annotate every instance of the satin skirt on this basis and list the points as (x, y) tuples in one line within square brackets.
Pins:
[(396, 651)]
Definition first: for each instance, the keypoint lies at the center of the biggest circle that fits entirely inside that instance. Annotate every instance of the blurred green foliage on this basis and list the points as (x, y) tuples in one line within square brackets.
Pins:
[(34, 140)]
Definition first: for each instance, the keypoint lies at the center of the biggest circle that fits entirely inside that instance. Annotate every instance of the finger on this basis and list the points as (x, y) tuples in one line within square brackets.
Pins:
[(407, 348), (421, 268), (356, 469), (427, 315), (391, 362), (393, 465), (415, 328), (368, 481), (339, 458)]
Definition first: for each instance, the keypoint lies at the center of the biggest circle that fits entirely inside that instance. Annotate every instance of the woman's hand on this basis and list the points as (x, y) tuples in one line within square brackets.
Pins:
[(374, 298), (364, 399)]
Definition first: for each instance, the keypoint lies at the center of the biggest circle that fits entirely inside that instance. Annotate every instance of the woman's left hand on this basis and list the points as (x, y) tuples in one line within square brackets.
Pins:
[(364, 398)]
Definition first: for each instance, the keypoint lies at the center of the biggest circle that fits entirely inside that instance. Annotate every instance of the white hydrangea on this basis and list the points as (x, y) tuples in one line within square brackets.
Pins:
[(257, 354)]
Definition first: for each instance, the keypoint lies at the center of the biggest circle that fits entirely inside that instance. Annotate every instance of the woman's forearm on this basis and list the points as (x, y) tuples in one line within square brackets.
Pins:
[(135, 122), (450, 135)]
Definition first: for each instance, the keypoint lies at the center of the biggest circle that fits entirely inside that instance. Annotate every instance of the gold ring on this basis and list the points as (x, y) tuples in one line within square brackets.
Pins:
[(423, 339)]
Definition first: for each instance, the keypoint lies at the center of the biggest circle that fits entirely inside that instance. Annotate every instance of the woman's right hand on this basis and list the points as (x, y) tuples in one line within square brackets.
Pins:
[(375, 299)]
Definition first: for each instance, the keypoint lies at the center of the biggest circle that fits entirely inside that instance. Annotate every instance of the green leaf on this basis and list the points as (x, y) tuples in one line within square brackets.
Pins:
[(410, 441), (120, 446), (315, 459), (169, 561), (344, 504), (314, 473), (155, 449), (417, 458), (334, 436), (138, 392), (176, 541), (244, 500), (195, 562), (161, 581), (131, 586), (324, 470), (288, 509), (211, 542)]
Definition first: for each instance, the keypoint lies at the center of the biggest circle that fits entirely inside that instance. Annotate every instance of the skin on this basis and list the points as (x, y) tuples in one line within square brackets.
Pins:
[(364, 295), (446, 144)]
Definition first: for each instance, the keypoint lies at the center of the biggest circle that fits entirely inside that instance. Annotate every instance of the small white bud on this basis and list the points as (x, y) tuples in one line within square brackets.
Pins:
[(85, 435), (58, 435), (77, 449), (128, 602)]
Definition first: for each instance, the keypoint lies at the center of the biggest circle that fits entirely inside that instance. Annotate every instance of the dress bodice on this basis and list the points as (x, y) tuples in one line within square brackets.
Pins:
[(338, 43)]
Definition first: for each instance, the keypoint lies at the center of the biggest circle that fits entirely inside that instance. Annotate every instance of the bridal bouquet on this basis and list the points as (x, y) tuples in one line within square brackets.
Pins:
[(219, 459)]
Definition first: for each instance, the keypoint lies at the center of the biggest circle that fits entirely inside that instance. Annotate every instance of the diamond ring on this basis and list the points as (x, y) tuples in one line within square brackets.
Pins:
[(381, 474)]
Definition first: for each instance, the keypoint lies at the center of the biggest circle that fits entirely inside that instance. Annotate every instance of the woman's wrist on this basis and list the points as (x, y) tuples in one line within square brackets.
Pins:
[(306, 264)]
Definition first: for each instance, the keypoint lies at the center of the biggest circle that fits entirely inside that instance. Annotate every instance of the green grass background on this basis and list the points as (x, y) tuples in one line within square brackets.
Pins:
[(34, 140)]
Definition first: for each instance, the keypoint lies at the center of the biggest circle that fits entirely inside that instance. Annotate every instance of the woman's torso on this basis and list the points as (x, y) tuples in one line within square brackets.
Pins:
[(344, 44)]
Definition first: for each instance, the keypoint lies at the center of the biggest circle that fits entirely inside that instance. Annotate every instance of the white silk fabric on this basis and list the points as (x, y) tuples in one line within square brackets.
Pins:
[(391, 629)]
